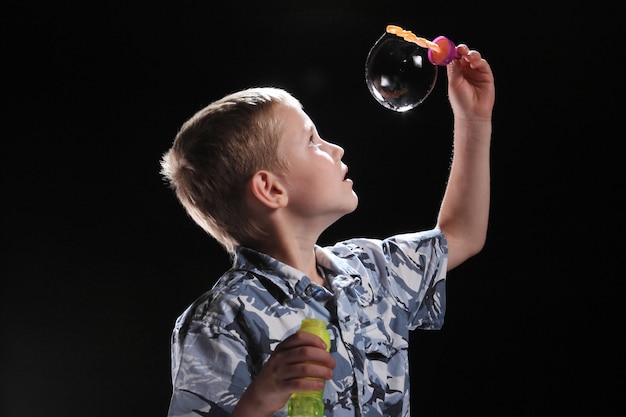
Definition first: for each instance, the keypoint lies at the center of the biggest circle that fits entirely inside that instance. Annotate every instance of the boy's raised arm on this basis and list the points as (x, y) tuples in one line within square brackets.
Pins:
[(464, 212)]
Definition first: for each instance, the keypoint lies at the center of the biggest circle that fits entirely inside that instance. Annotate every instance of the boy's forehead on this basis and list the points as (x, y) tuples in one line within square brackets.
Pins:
[(295, 119)]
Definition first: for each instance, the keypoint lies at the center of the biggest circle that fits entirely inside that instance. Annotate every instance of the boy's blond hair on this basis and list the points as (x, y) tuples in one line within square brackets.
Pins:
[(215, 154)]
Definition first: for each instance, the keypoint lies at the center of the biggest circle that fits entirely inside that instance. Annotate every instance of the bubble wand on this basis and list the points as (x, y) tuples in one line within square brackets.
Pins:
[(441, 50)]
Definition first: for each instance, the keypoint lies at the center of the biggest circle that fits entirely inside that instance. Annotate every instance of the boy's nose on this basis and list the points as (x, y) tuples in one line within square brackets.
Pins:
[(338, 151)]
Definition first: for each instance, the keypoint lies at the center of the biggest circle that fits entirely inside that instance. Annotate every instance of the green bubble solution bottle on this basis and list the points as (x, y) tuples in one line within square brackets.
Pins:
[(309, 403)]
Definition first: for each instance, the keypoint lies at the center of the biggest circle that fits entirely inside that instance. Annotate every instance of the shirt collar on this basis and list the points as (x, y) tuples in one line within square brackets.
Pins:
[(293, 282)]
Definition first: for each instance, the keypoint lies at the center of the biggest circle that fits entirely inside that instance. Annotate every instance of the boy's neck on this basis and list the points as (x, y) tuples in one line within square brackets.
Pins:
[(293, 255)]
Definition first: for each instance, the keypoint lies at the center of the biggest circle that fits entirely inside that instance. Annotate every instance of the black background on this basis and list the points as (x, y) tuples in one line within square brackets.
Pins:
[(99, 258)]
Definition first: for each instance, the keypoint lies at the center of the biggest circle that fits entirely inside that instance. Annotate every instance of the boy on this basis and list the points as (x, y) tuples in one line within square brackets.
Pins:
[(252, 171)]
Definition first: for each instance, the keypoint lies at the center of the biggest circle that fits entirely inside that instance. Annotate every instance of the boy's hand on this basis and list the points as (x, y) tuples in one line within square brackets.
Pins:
[(470, 85), (295, 360)]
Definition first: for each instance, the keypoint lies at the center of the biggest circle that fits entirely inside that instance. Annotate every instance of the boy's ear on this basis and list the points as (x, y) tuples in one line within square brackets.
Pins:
[(268, 189)]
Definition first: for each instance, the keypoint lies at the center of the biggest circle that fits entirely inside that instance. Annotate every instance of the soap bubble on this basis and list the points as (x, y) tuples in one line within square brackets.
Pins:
[(398, 73)]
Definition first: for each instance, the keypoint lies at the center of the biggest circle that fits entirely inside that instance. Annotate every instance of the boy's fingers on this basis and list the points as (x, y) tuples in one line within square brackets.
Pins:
[(462, 49)]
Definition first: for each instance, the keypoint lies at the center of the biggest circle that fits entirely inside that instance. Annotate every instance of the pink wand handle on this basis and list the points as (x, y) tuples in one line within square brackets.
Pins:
[(446, 54)]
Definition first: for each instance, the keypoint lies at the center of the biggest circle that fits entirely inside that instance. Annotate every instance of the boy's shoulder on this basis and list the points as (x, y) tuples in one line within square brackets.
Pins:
[(230, 286)]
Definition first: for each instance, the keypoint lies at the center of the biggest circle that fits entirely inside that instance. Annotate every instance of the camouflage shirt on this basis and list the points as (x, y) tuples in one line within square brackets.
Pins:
[(381, 289)]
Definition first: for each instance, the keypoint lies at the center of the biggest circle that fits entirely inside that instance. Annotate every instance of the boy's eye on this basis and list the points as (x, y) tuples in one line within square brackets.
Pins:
[(312, 141)]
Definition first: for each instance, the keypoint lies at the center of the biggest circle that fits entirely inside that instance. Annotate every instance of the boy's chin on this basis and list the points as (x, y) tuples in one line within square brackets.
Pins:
[(353, 208)]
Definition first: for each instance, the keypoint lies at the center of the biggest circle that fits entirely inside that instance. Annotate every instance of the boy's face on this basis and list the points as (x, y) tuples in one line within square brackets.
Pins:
[(316, 180)]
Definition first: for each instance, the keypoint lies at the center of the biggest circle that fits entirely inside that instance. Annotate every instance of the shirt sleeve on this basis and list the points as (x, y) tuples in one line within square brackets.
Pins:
[(407, 271), (209, 372), (417, 264)]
